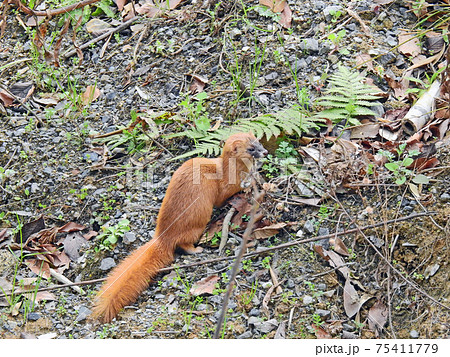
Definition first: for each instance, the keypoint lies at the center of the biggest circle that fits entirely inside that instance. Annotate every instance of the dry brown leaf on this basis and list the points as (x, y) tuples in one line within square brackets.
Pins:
[(204, 286), (91, 94), (6, 98), (320, 332), (365, 131), (339, 247), (364, 59), (71, 227), (120, 4), (409, 44), (90, 234), (274, 5), (352, 301), (286, 17), (268, 231), (198, 84), (377, 317)]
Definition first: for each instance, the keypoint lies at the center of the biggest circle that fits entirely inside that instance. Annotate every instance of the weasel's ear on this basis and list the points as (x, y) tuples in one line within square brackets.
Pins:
[(236, 145)]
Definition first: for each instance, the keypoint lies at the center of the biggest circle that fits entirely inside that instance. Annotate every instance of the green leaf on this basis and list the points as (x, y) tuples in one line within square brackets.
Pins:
[(407, 161), (392, 166), (421, 179), (202, 123)]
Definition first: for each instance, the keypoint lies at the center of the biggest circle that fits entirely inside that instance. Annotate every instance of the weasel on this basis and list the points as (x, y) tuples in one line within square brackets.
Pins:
[(195, 188)]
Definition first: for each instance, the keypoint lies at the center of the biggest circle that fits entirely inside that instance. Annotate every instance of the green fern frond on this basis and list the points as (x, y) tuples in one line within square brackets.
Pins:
[(346, 97), (290, 121)]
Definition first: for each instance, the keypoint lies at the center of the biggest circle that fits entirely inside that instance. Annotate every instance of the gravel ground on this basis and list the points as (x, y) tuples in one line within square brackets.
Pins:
[(57, 170)]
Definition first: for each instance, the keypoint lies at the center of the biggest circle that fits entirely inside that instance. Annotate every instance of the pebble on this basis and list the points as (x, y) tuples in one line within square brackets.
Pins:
[(309, 227), (33, 316), (107, 264), (245, 335), (254, 312), (324, 314), (445, 197), (129, 237), (414, 334), (309, 45), (269, 325), (83, 312), (308, 299)]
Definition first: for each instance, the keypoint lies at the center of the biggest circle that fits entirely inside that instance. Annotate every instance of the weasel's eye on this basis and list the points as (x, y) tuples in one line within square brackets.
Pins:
[(251, 149)]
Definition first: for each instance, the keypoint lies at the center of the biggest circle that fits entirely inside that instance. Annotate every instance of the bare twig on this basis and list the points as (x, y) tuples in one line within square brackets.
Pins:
[(53, 12), (225, 227), (239, 256), (101, 37)]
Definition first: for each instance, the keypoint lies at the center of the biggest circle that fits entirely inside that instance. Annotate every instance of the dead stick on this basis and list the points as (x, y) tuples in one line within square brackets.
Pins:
[(101, 37), (53, 12), (281, 246), (235, 269)]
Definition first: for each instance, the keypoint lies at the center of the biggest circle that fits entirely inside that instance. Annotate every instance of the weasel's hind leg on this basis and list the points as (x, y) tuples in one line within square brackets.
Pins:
[(190, 249)]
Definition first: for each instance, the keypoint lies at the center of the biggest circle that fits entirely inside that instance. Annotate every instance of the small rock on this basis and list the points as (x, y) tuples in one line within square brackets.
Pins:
[(90, 156), (323, 231), (290, 284), (309, 44), (246, 334), (324, 314), (129, 237), (348, 335), (33, 316), (307, 300), (445, 197), (271, 76), (254, 312), (34, 187), (83, 312), (309, 227), (107, 264), (255, 321), (414, 334), (268, 326), (348, 327)]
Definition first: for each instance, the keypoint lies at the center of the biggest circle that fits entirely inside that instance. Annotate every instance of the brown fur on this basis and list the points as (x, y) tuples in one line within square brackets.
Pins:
[(184, 214)]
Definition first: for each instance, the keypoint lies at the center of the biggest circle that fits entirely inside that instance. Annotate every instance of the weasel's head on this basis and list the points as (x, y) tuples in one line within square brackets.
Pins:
[(244, 145)]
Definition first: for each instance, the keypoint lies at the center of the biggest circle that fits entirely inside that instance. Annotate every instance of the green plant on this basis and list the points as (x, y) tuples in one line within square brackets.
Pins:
[(347, 98), (336, 39), (266, 263), (289, 121), (196, 112), (110, 235), (399, 167), (247, 298), (425, 84), (317, 320)]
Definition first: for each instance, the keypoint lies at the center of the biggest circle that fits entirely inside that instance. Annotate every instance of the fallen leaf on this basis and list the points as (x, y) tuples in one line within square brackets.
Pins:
[(97, 27), (352, 301), (409, 44), (29, 229), (320, 332), (281, 331), (204, 286), (90, 234), (268, 231), (120, 4), (339, 246), (274, 5), (364, 59), (6, 98), (91, 94), (364, 131), (71, 227), (377, 317), (286, 17)]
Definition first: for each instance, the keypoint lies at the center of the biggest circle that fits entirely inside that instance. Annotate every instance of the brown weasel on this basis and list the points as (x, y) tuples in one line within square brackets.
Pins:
[(195, 188)]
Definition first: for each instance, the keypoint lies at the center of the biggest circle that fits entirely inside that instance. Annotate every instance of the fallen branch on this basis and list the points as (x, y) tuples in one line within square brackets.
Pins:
[(53, 12), (101, 37), (234, 271)]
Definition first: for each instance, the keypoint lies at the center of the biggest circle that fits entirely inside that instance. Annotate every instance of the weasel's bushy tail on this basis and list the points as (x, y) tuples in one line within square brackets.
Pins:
[(130, 278)]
